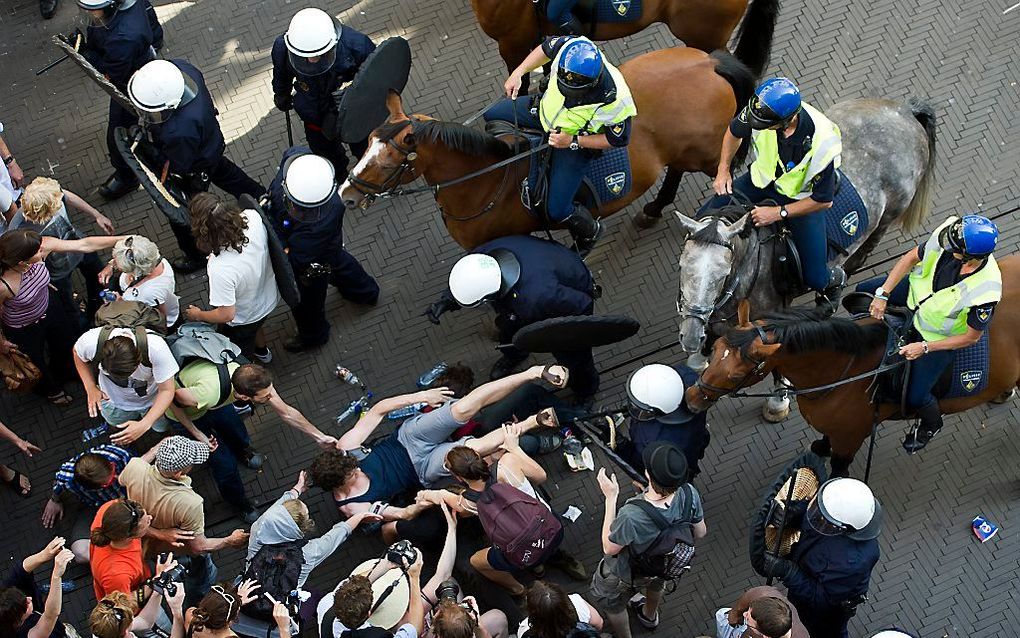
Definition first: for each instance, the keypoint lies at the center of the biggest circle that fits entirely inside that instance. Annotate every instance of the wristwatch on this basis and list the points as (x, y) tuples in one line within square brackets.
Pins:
[(783, 213), (575, 144), (881, 293), (8, 160)]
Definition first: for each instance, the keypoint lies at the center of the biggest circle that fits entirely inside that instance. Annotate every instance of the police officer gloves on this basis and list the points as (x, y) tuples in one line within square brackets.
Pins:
[(72, 38), (446, 303), (283, 101), (780, 568)]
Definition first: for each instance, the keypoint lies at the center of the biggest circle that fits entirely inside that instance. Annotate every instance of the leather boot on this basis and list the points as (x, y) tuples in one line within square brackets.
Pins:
[(929, 424), (504, 367), (829, 297), (47, 8), (186, 265), (572, 26), (585, 230), (115, 187)]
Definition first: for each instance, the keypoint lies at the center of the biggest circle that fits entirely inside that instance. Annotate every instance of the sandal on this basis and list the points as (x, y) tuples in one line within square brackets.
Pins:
[(24, 489), (60, 399)]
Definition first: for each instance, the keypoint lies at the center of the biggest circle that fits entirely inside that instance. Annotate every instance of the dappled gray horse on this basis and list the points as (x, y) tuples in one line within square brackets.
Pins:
[(888, 155)]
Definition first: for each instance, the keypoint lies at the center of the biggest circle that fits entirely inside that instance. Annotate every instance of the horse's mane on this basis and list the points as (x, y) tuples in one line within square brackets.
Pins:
[(803, 330), (452, 135)]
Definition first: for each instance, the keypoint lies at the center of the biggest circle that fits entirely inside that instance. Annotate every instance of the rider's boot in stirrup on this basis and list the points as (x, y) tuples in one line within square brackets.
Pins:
[(929, 424), (585, 230), (829, 298)]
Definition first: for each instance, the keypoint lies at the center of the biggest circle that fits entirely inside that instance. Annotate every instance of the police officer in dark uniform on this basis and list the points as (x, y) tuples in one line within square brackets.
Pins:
[(308, 216), (828, 570), (123, 35), (526, 279), (181, 123), (658, 412), (316, 57)]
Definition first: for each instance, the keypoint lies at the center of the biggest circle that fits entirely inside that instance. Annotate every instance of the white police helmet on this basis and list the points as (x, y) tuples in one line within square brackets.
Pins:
[(478, 277), (157, 89), (845, 506), (893, 633), (309, 180), (311, 41), (656, 392)]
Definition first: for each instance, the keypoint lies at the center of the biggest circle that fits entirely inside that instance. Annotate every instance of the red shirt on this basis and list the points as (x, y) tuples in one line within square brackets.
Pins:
[(116, 569)]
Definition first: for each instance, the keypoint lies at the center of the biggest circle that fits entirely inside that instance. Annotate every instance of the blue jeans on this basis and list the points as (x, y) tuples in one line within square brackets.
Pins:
[(233, 439), (808, 230), (924, 372), (566, 167), (558, 11)]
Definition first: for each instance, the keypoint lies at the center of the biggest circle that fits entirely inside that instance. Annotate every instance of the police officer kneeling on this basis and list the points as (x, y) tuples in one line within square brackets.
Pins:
[(829, 568), (308, 216), (525, 279)]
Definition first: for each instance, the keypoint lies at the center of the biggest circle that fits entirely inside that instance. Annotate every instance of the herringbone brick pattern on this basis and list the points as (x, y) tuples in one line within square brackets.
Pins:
[(933, 577)]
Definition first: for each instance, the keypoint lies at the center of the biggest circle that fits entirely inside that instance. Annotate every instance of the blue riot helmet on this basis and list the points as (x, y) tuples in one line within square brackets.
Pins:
[(776, 101)]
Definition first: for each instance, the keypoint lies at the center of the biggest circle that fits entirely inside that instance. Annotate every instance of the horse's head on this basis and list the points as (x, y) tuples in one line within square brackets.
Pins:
[(389, 160), (739, 359), (706, 263)]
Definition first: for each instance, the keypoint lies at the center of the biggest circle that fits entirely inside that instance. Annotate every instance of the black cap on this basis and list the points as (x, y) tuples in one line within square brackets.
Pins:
[(665, 464)]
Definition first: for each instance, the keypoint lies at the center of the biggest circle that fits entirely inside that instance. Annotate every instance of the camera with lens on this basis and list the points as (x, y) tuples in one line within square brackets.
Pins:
[(166, 583), (449, 589), (402, 553)]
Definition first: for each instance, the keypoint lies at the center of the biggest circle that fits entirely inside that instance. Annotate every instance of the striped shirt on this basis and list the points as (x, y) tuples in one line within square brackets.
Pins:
[(65, 480), (32, 300)]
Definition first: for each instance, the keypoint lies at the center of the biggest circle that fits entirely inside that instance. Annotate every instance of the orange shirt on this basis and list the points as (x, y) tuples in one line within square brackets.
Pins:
[(116, 569)]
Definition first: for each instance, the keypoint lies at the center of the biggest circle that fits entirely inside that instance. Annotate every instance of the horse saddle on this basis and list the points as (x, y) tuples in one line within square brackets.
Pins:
[(845, 223), (607, 177), (593, 12), (966, 376)]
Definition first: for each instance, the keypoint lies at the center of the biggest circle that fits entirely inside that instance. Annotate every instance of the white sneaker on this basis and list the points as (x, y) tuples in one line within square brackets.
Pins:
[(263, 358)]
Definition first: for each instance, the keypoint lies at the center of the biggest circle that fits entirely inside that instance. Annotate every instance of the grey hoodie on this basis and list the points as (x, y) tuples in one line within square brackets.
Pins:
[(277, 526)]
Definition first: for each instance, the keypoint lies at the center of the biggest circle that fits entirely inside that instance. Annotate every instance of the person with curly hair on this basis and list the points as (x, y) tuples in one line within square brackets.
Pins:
[(44, 209), (242, 286)]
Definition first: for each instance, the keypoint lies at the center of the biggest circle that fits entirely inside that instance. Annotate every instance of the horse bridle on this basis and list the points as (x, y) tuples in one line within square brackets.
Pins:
[(394, 178), (759, 365)]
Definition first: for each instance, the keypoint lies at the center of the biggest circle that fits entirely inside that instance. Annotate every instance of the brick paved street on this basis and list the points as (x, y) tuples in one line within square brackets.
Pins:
[(934, 577)]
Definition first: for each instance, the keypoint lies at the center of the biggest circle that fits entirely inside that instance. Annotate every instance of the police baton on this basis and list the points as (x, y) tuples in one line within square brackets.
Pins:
[(290, 132), (595, 437), (52, 64)]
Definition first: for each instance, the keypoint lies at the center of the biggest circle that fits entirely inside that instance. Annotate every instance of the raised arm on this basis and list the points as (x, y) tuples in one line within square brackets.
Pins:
[(367, 424), (100, 219), (84, 245), (295, 419), (488, 393)]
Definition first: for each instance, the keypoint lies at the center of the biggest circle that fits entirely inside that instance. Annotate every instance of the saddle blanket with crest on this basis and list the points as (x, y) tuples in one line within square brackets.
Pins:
[(617, 10), (846, 220), (969, 371), (607, 179)]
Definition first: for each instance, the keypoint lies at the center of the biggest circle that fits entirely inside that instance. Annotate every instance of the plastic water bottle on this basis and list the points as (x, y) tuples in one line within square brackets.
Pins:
[(357, 407), (430, 377), (347, 376), (95, 432), (408, 411)]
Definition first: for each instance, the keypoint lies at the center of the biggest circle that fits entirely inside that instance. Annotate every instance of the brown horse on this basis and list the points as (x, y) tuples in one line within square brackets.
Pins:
[(685, 99), (811, 352), (703, 24)]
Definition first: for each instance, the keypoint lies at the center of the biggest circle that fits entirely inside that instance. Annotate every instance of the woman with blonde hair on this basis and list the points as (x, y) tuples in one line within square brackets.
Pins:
[(116, 616), (44, 209), (145, 276)]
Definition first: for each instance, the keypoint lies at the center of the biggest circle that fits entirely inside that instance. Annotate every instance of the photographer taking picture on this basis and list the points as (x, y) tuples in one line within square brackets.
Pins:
[(117, 616), (380, 595)]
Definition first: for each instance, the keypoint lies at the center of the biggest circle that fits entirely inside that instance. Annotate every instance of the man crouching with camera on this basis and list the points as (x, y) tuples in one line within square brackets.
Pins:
[(381, 599)]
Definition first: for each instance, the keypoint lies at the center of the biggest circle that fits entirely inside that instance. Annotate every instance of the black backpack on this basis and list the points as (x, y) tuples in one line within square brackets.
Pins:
[(672, 551), (276, 568)]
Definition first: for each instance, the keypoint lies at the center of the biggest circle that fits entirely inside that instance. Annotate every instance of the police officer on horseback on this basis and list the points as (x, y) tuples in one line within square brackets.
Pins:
[(314, 59), (658, 412), (952, 283), (828, 569), (525, 279), (181, 124), (121, 37), (308, 217), (586, 109), (797, 151)]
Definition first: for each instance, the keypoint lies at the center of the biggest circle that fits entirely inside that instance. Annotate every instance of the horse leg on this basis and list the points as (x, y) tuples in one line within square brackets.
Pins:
[(651, 214), (776, 407), (1004, 397), (822, 447), (840, 465)]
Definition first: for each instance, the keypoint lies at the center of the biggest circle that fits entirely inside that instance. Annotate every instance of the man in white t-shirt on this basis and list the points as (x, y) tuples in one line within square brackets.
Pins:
[(11, 177), (135, 384), (242, 286)]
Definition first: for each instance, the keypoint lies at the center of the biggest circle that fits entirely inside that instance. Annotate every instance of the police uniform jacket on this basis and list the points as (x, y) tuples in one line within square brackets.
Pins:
[(312, 96), (191, 138), (833, 569), (554, 281), (692, 436), (318, 237), (125, 43)]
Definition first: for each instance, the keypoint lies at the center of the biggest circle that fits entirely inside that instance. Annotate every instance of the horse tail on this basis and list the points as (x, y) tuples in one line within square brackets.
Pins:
[(742, 79), (754, 40), (915, 213)]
